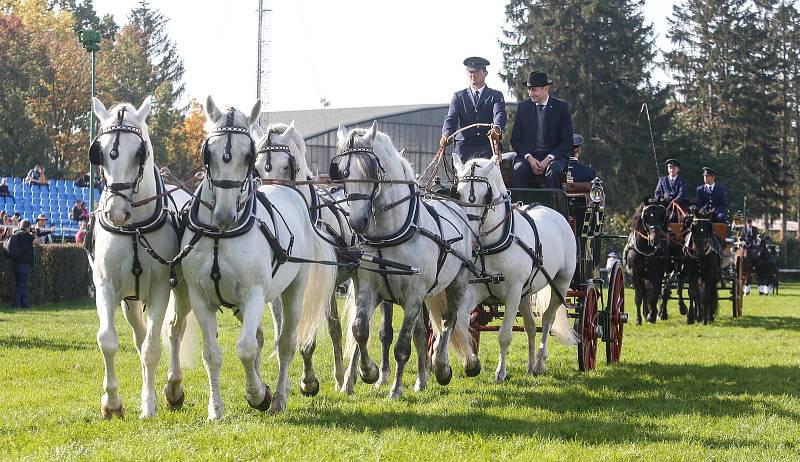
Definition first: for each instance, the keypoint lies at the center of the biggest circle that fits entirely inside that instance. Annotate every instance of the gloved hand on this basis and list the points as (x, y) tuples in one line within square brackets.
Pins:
[(443, 141)]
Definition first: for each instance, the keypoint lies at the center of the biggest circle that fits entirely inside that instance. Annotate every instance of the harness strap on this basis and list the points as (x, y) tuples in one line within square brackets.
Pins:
[(136, 269), (537, 264), (216, 275), (444, 246)]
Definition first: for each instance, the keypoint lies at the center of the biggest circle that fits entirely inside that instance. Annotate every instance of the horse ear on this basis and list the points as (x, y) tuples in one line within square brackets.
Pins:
[(144, 109), (257, 131), (457, 163), (289, 132), (99, 109), (341, 133), (490, 165), (373, 130), (255, 113), (212, 111)]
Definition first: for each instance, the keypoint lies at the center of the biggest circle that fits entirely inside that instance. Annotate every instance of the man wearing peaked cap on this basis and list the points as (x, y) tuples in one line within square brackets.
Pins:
[(577, 169), (542, 135), (474, 104), (672, 187), (711, 196)]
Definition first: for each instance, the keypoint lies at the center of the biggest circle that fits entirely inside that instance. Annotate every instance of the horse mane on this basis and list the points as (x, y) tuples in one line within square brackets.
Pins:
[(388, 155), (637, 217)]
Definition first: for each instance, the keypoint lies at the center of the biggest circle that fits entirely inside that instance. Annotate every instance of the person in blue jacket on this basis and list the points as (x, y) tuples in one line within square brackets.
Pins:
[(542, 135), (711, 196), (474, 104), (672, 187)]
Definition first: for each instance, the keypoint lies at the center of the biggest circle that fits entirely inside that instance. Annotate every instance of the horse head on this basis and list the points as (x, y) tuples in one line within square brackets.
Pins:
[(281, 153), (122, 149), (228, 156), (478, 182), (653, 220), (366, 161), (701, 232)]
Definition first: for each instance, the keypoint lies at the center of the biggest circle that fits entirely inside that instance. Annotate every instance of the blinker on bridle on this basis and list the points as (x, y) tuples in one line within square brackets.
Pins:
[(228, 130), (119, 128), (269, 148)]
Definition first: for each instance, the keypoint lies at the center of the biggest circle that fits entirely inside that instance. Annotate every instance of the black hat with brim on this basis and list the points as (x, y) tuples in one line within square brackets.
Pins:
[(476, 63), (537, 79), (709, 171), (674, 162)]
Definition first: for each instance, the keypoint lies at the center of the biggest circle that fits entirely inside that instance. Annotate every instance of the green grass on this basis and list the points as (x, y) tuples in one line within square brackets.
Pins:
[(730, 391)]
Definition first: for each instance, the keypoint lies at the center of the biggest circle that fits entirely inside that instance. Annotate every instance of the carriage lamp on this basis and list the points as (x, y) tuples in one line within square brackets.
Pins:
[(596, 193), (738, 219)]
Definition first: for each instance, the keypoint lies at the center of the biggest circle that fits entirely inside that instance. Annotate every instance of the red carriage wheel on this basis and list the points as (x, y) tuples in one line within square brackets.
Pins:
[(616, 313), (587, 329)]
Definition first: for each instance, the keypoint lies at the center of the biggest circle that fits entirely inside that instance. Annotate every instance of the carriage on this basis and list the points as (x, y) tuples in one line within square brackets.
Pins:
[(598, 314)]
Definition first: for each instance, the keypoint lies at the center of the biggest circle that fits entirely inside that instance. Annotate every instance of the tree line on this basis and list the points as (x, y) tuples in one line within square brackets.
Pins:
[(732, 102), (45, 91)]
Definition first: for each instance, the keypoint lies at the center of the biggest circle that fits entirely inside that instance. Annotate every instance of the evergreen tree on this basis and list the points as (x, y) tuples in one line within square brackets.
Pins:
[(599, 54)]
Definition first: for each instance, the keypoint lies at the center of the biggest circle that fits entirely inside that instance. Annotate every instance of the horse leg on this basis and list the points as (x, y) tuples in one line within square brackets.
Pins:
[(151, 347), (421, 344), (681, 305), (132, 312), (366, 301), (529, 321), (506, 332), (276, 308), (257, 393), (206, 315), (309, 383), (666, 293), (292, 299), (173, 390), (548, 317), (335, 331), (107, 340), (386, 337), (638, 291), (402, 348)]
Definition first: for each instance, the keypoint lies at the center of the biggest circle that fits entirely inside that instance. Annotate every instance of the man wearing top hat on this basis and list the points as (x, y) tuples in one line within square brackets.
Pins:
[(579, 172), (475, 104), (542, 135), (672, 187), (711, 196)]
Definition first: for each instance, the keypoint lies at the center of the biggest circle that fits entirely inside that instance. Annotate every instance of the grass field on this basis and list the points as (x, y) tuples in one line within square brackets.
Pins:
[(730, 391)]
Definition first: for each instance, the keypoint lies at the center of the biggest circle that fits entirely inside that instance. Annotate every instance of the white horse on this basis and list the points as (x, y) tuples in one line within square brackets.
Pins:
[(241, 243), (282, 156), (509, 246), (125, 229), (398, 225)]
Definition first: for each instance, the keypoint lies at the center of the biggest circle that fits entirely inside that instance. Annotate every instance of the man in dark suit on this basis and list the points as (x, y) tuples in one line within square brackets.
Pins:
[(475, 104), (672, 187), (579, 172), (711, 196), (542, 135), (749, 232)]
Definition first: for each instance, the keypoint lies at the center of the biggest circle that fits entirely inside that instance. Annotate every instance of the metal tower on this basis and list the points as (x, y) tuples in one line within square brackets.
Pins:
[(264, 45)]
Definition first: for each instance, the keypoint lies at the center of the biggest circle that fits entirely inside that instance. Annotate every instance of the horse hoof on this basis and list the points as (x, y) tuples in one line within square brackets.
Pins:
[(444, 379), (107, 413), (309, 388), (371, 375), (638, 321), (474, 370), (662, 315), (177, 404), (264, 405)]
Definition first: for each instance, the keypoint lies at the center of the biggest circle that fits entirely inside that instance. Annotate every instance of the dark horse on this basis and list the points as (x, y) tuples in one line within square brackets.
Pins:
[(747, 253), (702, 260), (646, 256)]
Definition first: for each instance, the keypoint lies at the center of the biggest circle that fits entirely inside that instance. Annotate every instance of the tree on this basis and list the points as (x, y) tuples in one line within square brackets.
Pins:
[(183, 148), (599, 54)]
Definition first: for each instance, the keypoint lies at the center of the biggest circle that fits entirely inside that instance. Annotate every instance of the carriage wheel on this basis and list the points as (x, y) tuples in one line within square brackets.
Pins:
[(616, 313), (738, 289), (587, 329)]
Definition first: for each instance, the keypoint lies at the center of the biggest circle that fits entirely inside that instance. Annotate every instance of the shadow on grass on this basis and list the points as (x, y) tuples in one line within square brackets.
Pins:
[(763, 322), (38, 343), (625, 404)]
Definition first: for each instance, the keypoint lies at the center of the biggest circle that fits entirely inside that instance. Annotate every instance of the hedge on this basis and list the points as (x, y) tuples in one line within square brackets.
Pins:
[(60, 272)]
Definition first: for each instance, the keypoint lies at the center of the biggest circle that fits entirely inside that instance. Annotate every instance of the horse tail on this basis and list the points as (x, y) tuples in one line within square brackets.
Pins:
[(349, 314), (190, 342), (461, 338), (317, 295), (561, 328)]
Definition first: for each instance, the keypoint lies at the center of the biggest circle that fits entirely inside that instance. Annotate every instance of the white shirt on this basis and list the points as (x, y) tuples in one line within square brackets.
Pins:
[(479, 90)]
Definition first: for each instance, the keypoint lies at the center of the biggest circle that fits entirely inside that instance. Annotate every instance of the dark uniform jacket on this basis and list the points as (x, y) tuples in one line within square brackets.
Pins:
[(581, 173), (668, 193), (491, 108), (715, 200), (557, 130)]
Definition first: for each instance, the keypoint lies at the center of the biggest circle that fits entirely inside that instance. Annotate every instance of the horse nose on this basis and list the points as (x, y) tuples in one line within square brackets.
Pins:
[(224, 219)]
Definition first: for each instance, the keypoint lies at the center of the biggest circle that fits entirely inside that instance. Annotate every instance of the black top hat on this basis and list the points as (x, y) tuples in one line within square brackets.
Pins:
[(476, 63), (674, 162), (577, 140), (709, 171), (537, 79)]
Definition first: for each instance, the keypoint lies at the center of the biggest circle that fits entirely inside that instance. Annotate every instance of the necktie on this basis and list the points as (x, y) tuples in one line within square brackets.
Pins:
[(477, 97), (541, 107)]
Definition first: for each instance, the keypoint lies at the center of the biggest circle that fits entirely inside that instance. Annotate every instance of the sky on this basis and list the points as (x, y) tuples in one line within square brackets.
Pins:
[(352, 53)]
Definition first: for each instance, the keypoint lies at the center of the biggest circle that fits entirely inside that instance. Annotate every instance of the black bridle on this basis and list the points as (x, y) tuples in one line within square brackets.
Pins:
[(376, 173), (95, 152), (270, 148), (488, 198)]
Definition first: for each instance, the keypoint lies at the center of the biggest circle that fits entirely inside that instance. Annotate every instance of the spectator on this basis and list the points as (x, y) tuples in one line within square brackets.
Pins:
[(42, 232), (4, 192), (5, 224), (82, 181), (15, 220), (76, 211), (100, 181), (84, 212), (81, 234), (36, 176), (20, 251)]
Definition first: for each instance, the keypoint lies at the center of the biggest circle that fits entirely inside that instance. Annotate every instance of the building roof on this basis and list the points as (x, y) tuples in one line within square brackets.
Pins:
[(315, 121)]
